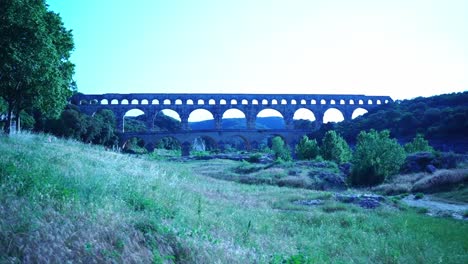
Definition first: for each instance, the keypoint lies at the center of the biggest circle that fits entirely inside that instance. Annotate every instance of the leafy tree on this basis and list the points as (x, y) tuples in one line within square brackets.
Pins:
[(34, 52), (419, 144), (280, 149), (335, 148), (375, 158), (307, 149)]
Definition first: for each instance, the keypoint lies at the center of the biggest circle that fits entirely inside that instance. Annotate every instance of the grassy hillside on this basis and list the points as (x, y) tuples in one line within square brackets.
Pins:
[(66, 201)]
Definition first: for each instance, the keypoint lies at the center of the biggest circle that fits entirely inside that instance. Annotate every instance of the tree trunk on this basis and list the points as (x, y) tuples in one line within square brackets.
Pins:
[(6, 129)]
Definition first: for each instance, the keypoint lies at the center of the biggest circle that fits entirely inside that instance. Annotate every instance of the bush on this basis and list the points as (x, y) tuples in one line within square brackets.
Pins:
[(376, 157), (335, 148), (281, 151), (307, 149), (419, 144)]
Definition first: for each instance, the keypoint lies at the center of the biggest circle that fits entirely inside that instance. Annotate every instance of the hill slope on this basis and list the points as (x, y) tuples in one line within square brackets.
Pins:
[(66, 201), (442, 119)]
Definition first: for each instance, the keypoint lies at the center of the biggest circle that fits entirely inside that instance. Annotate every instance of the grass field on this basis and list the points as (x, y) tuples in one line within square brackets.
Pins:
[(65, 201)]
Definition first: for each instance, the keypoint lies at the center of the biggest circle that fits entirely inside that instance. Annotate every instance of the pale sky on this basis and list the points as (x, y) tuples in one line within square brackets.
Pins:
[(401, 48)]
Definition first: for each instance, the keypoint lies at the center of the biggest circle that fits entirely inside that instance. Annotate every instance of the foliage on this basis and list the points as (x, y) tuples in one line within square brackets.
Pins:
[(307, 149), (35, 48), (280, 150), (99, 129), (419, 144), (375, 158), (335, 148)]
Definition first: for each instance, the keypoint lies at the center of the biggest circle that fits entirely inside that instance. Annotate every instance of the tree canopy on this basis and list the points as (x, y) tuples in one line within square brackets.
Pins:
[(35, 70)]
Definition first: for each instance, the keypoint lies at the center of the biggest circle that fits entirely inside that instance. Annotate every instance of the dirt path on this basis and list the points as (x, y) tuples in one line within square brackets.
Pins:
[(436, 207)]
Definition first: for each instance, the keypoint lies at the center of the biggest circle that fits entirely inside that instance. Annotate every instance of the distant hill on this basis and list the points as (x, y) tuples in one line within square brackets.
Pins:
[(238, 123)]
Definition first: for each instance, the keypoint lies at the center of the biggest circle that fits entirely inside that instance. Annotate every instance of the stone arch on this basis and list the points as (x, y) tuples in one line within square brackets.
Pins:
[(255, 102), (360, 102), (369, 102), (284, 102), (342, 102), (222, 102), (304, 114), (135, 102), (245, 102), (83, 102), (204, 143), (134, 120), (293, 102), (274, 118), (211, 102), (233, 101), (171, 113), (234, 118), (144, 102), (304, 119), (104, 102), (351, 101), (379, 102), (200, 102), (358, 112), (313, 102), (323, 101), (124, 102), (167, 102), (114, 102), (178, 102), (155, 102), (189, 102), (333, 115), (167, 120), (264, 102), (303, 102), (93, 102), (236, 142), (274, 102), (201, 118), (332, 102)]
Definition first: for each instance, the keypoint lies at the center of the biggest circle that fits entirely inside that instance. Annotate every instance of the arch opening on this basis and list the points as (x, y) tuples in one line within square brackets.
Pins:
[(114, 102), (358, 112), (144, 102), (235, 144), (134, 121), (135, 102), (304, 119), (167, 120), (234, 119), (333, 115), (269, 119), (178, 102), (104, 102), (203, 144), (200, 119)]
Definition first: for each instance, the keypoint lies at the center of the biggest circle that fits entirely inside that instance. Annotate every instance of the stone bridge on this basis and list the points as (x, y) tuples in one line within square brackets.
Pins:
[(217, 104)]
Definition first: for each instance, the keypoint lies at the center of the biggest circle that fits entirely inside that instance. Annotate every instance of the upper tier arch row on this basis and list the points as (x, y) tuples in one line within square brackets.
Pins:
[(227, 99)]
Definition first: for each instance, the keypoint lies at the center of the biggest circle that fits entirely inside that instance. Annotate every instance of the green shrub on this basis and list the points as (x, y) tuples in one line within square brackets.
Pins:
[(254, 158), (419, 144), (307, 149), (280, 149), (418, 196), (335, 148), (376, 157)]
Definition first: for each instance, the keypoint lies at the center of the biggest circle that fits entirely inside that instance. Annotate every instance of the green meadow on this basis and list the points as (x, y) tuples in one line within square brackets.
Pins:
[(65, 201)]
